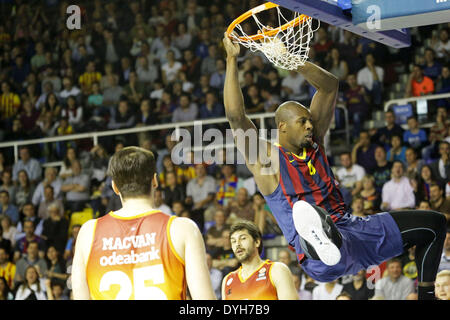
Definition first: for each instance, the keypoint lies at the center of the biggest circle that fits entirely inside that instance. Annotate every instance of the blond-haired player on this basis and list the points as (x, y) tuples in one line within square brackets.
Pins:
[(138, 252)]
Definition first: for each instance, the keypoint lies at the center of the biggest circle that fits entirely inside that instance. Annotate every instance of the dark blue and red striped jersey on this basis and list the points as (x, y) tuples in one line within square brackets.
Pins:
[(306, 176)]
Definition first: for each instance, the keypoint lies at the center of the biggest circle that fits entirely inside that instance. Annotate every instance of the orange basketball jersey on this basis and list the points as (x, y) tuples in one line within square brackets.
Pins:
[(133, 258), (258, 286)]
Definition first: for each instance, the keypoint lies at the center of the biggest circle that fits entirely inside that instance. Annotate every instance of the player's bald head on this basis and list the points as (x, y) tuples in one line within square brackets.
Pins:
[(289, 110)]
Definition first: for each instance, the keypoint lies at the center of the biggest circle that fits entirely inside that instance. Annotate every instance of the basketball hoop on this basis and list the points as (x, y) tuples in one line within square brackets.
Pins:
[(286, 46)]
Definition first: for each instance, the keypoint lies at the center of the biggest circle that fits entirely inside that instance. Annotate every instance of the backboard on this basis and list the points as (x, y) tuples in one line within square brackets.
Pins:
[(384, 21)]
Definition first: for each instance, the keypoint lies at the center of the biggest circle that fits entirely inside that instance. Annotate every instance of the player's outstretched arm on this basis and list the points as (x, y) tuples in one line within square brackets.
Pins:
[(188, 242), (324, 100), (282, 279), (82, 249), (232, 93), (244, 130)]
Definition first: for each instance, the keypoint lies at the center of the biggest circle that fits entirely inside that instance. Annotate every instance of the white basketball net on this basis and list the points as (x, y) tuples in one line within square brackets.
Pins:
[(287, 49)]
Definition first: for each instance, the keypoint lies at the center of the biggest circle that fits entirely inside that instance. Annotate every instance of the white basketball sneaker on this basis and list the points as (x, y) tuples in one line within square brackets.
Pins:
[(315, 229)]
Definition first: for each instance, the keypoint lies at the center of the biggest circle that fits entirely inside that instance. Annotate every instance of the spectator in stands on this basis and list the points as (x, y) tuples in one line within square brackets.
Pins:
[(424, 205), (24, 190), (29, 213), (186, 110), (397, 193), (183, 39), (438, 132), (29, 117), (358, 288), (383, 135), (335, 64), (445, 259), (418, 84), (227, 185), (49, 199), (113, 93), (215, 275), (294, 87), (438, 200), (442, 285), (56, 266), (414, 137), (69, 90), (9, 105), (173, 191), (425, 180), (146, 73), (372, 77), (135, 89), (413, 164), (443, 81), (5, 243), (442, 45), (397, 151), (211, 108), (34, 257), (160, 204), (9, 231), (2, 164), (224, 259), (327, 291), (431, 68), (217, 79), (7, 269), (370, 195), (76, 189), (51, 104), (441, 167), (29, 164), (122, 117), (284, 256), (55, 290), (7, 208), (88, 78), (55, 228), (7, 184), (31, 287), (357, 102), (70, 245), (50, 179), (208, 64), (191, 66), (201, 189), (358, 206), (241, 207), (363, 152), (302, 293), (213, 237), (350, 174), (395, 286)]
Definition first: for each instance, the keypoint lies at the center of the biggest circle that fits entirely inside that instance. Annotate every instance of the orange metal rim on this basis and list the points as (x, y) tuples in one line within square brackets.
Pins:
[(270, 32)]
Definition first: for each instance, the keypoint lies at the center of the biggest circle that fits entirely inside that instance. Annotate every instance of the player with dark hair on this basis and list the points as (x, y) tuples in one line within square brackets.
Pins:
[(256, 279), (303, 194), (138, 252)]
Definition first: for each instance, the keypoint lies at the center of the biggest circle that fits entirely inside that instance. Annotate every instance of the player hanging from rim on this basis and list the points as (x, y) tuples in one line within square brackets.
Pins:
[(304, 196), (138, 252), (256, 279)]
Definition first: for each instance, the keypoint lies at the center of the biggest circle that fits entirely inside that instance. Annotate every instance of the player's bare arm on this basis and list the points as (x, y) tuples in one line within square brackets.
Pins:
[(189, 245), (282, 279), (324, 100), (235, 113), (82, 250)]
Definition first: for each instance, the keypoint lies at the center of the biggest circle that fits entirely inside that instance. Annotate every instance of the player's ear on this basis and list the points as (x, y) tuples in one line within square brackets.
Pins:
[(114, 187), (155, 182)]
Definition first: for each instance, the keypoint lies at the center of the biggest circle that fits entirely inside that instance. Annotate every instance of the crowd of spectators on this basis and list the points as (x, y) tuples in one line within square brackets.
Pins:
[(139, 63)]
